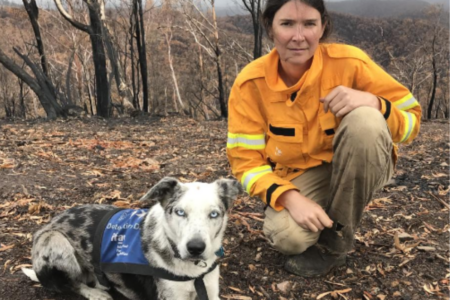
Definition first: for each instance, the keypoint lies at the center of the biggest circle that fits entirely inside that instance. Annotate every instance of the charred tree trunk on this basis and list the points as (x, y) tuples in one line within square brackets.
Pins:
[(223, 106), (23, 112), (133, 67), (39, 84), (435, 78), (254, 8), (119, 75), (33, 14), (98, 52), (140, 38)]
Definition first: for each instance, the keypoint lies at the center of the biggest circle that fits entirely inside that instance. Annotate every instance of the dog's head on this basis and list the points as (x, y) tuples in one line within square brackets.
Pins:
[(195, 214)]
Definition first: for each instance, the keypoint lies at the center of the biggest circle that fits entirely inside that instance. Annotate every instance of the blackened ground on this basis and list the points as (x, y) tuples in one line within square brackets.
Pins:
[(401, 250)]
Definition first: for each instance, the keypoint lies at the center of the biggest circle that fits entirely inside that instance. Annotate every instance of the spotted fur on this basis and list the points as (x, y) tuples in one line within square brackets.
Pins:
[(181, 234)]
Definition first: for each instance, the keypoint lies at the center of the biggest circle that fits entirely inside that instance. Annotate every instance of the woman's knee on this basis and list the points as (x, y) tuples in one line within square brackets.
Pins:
[(363, 128), (365, 123)]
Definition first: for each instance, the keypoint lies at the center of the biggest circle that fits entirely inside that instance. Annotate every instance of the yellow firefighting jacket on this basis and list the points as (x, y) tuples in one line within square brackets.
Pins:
[(275, 133)]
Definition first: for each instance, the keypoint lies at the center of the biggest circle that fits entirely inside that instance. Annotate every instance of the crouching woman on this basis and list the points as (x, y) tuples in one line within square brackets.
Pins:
[(312, 131)]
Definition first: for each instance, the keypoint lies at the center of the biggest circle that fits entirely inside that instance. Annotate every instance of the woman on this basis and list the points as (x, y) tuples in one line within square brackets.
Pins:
[(312, 128)]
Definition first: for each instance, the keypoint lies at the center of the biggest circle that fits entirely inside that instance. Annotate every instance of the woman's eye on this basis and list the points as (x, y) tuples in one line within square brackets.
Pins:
[(214, 214), (180, 212)]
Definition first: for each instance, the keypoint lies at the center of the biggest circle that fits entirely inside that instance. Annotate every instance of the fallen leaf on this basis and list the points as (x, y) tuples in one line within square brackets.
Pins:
[(439, 175), (4, 247), (237, 297), (394, 283), (285, 287), (337, 291), (367, 295), (426, 248), (258, 256), (235, 289), (122, 204)]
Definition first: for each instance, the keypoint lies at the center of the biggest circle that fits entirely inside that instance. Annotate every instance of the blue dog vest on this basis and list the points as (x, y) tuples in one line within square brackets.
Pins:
[(118, 249), (121, 248)]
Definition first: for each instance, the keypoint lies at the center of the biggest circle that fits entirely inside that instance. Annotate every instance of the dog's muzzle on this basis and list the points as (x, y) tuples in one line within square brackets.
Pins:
[(196, 247)]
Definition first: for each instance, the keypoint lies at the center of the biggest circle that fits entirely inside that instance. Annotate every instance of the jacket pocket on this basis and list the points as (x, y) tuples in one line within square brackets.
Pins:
[(328, 127), (284, 145), (328, 124), (289, 133)]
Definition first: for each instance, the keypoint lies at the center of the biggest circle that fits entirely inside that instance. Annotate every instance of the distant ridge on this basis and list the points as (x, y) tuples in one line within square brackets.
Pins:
[(361, 8), (382, 8)]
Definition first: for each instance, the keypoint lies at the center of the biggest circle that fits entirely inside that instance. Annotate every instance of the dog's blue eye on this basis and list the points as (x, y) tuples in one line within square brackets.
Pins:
[(214, 214), (180, 212)]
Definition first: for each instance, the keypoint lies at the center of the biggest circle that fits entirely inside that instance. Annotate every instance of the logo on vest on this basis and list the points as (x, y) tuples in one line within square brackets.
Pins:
[(121, 239), (118, 237)]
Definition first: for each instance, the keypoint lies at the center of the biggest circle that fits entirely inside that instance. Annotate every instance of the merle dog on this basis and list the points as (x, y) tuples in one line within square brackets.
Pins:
[(167, 252)]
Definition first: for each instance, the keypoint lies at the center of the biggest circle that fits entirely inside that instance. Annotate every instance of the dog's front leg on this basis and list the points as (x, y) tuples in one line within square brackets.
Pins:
[(212, 284), (173, 290)]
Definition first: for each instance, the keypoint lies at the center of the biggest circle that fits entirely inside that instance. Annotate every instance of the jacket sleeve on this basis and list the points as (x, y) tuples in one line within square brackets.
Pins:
[(246, 144), (399, 107)]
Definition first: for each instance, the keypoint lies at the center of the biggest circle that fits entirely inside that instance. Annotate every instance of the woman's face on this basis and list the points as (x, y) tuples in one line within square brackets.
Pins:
[(296, 31)]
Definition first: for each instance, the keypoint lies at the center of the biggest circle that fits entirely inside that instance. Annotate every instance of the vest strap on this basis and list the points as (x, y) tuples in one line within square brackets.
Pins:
[(98, 246)]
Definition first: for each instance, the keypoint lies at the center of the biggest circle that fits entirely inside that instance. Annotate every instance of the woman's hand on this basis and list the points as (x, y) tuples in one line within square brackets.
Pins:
[(342, 100), (307, 213)]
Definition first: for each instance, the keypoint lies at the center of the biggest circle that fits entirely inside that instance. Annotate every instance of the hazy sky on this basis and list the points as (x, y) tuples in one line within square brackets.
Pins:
[(232, 2), (218, 2)]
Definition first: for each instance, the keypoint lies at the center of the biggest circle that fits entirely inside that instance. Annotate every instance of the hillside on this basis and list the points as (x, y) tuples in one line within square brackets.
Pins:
[(389, 9), (378, 8), (371, 34), (379, 37), (362, 8)]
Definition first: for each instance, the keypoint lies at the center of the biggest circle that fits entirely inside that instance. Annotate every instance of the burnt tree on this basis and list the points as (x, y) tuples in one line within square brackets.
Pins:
[(254, 8), (138, 13), (40, 85), (95, 32)]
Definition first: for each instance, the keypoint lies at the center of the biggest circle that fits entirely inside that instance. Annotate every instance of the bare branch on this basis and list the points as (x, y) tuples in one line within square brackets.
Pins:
[(69, 18)]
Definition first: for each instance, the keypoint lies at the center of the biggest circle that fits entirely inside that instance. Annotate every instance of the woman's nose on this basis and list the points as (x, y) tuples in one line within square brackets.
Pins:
[(298, 34)]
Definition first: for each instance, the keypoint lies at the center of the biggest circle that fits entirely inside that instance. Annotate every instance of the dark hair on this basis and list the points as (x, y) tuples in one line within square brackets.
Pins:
[(272, 6)]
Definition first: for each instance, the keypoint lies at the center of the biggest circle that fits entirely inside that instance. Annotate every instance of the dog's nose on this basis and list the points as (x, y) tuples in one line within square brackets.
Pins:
[(196, 247)]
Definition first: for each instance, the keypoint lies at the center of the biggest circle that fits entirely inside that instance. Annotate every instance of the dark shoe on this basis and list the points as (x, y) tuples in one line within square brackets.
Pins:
[(313, 262)]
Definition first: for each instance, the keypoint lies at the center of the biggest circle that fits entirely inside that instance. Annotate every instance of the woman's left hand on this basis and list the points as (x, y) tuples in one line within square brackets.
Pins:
[(342, 100)]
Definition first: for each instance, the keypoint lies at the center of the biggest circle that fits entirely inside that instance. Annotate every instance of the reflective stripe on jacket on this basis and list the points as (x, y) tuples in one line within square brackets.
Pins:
[(275, 133)]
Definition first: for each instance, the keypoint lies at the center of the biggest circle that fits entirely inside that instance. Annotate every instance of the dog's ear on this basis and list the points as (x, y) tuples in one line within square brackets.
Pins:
[(163, 191), (228, 190)]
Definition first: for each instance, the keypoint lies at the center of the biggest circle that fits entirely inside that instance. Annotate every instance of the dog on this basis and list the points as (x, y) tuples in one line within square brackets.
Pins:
[(180, 240)]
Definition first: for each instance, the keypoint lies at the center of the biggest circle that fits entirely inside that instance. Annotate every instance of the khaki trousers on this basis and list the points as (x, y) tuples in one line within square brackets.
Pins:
[(362, 164)]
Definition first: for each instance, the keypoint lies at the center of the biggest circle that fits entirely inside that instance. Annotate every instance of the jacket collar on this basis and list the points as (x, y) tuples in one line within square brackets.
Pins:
[(276, 84)]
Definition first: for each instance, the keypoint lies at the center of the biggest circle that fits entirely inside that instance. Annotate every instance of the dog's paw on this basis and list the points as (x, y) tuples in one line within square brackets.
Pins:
[(94, 294)]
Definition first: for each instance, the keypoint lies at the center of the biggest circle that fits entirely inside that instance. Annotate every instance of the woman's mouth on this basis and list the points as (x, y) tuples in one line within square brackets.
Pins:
[(298, 49)]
